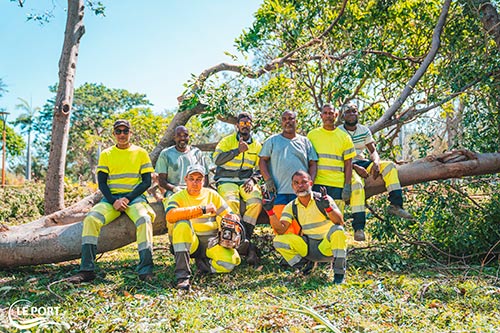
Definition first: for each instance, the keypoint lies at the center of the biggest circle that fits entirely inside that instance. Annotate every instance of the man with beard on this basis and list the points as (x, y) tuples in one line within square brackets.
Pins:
[(282, 155), (321, 237), (363, 139), (336, 151), (236, 157), (173, 162)]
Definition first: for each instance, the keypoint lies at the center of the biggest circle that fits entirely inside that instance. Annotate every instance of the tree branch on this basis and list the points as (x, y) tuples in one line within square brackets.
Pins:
[(436, 41)]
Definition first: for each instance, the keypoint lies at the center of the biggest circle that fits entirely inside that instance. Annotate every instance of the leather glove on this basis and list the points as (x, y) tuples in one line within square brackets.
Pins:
[(268, 200), (270, 186), (346, 192), (323, 201)]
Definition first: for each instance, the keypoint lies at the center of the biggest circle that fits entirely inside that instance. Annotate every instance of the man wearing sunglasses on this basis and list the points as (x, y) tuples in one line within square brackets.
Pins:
[(123, 174), (237, 158)]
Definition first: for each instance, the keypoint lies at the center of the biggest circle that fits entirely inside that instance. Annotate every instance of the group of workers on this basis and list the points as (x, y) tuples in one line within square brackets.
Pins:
[(302, 183)]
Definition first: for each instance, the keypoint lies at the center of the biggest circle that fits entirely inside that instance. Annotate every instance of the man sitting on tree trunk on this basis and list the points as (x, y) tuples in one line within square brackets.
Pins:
[(363, 139), (123, 174)]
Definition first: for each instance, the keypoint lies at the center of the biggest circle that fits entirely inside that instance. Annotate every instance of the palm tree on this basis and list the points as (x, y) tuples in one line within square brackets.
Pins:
[(25, 121)]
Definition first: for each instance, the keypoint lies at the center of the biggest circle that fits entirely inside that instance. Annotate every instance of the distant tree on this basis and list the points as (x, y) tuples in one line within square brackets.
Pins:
[(3, 87), (25, 120)]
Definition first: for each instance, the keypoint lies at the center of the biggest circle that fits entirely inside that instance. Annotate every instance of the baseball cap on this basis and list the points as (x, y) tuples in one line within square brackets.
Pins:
[(121, 122), (195, 168)]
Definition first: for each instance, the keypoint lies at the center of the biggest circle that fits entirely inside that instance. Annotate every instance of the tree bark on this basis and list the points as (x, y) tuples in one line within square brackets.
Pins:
[(54, 187), (57, 237)]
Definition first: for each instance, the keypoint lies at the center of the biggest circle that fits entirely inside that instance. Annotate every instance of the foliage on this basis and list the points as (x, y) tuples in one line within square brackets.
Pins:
[(419, 298), (457, 220), (14, 142), (93, 105), (24, 203)]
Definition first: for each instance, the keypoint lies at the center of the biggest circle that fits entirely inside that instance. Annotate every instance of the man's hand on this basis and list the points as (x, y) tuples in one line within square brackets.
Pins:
[(243, 146), (176, 189), (360, 171), (121, 204), (375, 171), (268, 201), (248, 185), (210, 208), (323, 201), (270, 186), (346, 192)]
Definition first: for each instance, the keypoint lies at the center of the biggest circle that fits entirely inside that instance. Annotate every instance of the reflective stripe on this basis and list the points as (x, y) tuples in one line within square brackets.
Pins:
[(253, 201), (144, 246), (393, 187), (331, 168), (249, 219), (358, 209), (281, 245), (286, 215), (207, 233), (121, 186), (142, 220), (230, 180), (331, 156), (296, 259), (349, 151), (226, 265), (89, 240), (388, 169), (124, 175), (182, 247), (222, 209), (314, 225), (339, 253), (333, 229), (97, 215), (356, 186), (146, 165), (103, 167), (315, 236), (232, 198)]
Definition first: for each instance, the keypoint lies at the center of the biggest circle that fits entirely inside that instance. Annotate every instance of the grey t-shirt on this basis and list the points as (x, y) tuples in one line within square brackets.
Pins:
[(286, 157), (175, 163)]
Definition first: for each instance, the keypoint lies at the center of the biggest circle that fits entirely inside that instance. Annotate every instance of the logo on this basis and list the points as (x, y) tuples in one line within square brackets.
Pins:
[(23, 315)]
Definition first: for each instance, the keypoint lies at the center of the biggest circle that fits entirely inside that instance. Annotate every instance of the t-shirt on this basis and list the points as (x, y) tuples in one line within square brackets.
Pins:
[(124, 167), (206, 224), (175, 163), (333, 148), (286, 157), (360, 137)]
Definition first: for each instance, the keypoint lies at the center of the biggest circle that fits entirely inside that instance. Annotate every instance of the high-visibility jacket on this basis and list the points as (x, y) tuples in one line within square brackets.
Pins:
[(232, 165)]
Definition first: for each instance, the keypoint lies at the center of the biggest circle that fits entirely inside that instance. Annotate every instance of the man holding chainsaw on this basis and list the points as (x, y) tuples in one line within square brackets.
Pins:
[(204, 228), (320, 235)]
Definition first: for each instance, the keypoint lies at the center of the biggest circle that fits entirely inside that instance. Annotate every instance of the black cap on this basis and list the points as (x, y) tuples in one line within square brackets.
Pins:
[(121, 122)]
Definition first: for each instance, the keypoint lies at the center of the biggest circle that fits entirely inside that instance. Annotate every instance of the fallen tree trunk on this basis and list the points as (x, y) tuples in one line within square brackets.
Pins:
[(57, 237)]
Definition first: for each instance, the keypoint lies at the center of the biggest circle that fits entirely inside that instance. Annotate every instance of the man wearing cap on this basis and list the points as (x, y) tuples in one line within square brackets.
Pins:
[(123, 174), (236, 157), (195, 214)]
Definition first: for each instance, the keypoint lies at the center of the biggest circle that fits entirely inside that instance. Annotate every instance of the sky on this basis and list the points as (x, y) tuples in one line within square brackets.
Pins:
[(149, 47)]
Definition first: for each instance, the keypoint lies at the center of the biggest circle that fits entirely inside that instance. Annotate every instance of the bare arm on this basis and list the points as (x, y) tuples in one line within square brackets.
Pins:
[(263, 166), (279, 226), (313, 169)]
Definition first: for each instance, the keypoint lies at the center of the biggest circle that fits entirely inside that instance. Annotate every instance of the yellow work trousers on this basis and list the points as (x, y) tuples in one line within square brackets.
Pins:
[(232, 192)]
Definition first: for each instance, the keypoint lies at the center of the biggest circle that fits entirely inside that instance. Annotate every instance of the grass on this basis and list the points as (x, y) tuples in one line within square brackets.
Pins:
[(383, 293)]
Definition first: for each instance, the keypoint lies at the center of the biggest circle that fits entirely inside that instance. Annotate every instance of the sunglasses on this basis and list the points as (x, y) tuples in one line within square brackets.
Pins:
[(245, 123), (120, 131)]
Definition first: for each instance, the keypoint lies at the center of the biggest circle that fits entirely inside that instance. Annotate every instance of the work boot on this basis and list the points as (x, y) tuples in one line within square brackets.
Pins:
[(338, 278), (243, 248), (359, 235), (252, 257), (82, 276), (400, 212), (304, 266), (146, 277), (183, 284)]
